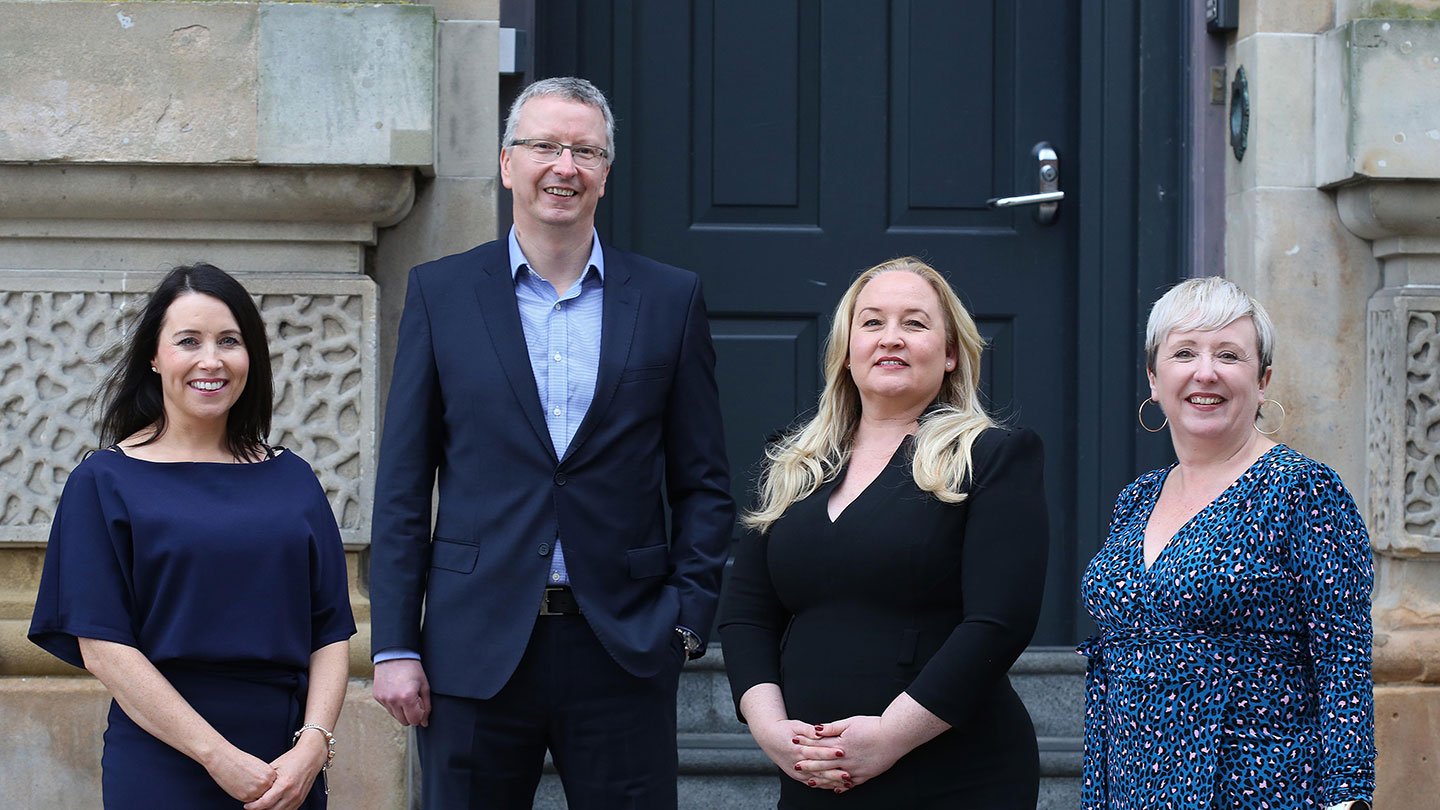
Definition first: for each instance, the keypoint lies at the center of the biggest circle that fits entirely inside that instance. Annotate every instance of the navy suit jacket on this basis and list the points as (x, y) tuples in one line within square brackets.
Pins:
[(463, 405)]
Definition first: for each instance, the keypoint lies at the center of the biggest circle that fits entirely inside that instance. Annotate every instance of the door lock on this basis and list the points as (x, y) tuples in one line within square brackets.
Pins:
[(1048, 194)]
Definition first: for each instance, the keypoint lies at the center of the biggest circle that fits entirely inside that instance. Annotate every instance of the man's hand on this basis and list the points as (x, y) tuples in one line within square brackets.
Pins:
[(402, 688)]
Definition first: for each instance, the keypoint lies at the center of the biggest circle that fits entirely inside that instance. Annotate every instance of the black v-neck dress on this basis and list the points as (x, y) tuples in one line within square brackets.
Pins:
[(904, 593)]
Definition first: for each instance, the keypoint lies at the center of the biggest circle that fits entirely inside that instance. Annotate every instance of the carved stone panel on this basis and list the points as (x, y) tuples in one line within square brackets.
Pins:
[(1404, 422), (1380, 394), (58, 334)]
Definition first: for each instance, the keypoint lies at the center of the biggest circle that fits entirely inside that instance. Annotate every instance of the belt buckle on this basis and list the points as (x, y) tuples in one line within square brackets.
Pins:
[(545, 604)]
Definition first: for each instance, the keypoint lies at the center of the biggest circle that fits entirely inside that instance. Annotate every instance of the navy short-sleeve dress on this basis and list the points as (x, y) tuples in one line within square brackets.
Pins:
[(226, 576)]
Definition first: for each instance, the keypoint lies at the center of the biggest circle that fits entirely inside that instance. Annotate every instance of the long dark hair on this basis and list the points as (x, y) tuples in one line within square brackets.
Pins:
[(131, 397)]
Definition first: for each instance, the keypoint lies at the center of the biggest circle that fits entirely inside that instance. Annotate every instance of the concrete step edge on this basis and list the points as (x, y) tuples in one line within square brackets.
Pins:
[(724, 753), (1047, 660), (721, 754)]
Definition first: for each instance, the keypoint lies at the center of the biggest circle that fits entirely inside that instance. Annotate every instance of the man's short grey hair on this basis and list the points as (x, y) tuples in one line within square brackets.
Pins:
[(1206, 304), (568, 88)]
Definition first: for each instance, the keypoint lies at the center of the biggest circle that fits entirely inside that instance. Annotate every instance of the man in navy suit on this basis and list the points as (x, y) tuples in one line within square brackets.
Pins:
[(563, 392)]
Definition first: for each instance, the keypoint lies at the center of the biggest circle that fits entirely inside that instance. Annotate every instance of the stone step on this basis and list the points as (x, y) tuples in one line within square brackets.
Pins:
[(1050, 680), (724, 771), (722, 768)]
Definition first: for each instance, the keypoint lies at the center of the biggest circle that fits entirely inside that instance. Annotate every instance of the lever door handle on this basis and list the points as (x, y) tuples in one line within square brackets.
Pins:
[(1027, 199), (1048, 195)]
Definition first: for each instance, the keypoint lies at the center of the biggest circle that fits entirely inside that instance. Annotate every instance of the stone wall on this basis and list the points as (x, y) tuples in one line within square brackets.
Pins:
[(1285, 244), (315, 150), (1331, 221)]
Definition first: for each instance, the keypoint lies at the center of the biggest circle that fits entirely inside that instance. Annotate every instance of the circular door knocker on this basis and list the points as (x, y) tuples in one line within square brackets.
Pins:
[(1239, 114)]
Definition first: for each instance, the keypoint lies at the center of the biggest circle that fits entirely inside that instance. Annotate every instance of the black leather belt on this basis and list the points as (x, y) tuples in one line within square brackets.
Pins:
[(559, 601)]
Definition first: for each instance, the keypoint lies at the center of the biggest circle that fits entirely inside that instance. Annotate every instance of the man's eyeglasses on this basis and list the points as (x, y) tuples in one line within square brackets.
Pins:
[(543, 151)]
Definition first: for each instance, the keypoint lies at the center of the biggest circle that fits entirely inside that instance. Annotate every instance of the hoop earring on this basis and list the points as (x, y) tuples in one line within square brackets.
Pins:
[(1140, 416), (1277, 404)]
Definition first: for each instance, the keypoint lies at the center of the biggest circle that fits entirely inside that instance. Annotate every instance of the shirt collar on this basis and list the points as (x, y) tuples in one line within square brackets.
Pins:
[(518, 260)]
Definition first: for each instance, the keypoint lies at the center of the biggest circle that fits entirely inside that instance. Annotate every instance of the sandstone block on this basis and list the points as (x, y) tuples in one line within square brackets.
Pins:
[(1375, 99)]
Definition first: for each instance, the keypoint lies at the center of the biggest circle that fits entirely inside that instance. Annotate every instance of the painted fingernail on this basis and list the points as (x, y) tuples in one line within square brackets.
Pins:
[(819, 728), (839, 753), (795, 740), (849, 785), (839, 790), (797, 766), (844, 777), (811, 783)]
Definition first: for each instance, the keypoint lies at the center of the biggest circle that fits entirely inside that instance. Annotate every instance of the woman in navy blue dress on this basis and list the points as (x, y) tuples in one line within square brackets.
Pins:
[(198, 572), (1232, 667)]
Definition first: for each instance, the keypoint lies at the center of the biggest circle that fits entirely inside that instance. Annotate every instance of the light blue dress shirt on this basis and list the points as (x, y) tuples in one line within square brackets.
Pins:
[(562, 333)]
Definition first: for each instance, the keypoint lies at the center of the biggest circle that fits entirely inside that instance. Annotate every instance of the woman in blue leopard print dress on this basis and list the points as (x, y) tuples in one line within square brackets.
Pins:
[(1232, 667)]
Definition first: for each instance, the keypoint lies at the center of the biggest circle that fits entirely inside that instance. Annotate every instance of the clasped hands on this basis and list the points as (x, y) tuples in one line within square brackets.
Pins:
[(834, 756), (279, 785)]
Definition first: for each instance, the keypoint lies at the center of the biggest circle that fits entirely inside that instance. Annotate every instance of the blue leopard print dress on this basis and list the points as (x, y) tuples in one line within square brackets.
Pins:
[(1235, 672)]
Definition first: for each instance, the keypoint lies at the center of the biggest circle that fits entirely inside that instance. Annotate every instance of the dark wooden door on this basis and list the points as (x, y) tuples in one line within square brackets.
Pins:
[(777, 147)]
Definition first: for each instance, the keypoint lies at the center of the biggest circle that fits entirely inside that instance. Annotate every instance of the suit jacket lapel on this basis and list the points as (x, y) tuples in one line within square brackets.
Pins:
[(496, 292), (617, 330)]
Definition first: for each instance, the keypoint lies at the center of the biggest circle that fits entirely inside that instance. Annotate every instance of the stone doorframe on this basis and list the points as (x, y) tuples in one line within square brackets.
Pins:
[(1378, 147), (1377, 86)]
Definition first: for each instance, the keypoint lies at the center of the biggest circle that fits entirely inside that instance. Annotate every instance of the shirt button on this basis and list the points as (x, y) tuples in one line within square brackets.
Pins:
[(560, 305), (556, 411), (555, 576), (557, 357), (560, 479), (544, 549)]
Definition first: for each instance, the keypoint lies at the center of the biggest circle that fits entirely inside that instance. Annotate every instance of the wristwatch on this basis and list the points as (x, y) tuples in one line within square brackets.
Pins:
[(1354, 804), (690, 640)]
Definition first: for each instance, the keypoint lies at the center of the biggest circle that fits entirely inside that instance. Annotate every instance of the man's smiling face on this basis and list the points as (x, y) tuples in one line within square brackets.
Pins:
[(558, 194)]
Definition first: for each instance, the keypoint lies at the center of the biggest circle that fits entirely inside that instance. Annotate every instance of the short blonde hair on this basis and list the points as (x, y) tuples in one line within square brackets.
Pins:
[(1206, 304), (801, 461)]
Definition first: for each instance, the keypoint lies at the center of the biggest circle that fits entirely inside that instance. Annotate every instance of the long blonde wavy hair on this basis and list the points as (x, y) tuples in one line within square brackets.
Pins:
[(802, 460)]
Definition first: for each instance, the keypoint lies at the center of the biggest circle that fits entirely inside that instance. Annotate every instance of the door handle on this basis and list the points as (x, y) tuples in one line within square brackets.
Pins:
[(1048, 194), (1027, 199)]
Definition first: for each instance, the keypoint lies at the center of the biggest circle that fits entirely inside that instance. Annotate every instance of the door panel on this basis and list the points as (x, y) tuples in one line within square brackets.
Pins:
[(747, 38), (950, 112), (777, 147), (767, 376)]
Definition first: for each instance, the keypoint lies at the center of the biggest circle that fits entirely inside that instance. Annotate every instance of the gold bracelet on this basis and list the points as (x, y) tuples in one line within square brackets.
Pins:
[(329, 750)]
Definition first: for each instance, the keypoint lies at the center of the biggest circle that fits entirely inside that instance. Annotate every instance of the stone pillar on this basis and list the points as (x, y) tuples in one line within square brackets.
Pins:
[(273, 140), (1376, 89), (1285, 245)]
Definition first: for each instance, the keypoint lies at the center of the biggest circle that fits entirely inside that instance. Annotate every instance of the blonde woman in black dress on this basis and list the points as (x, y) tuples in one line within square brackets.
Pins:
[(894, 570)]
